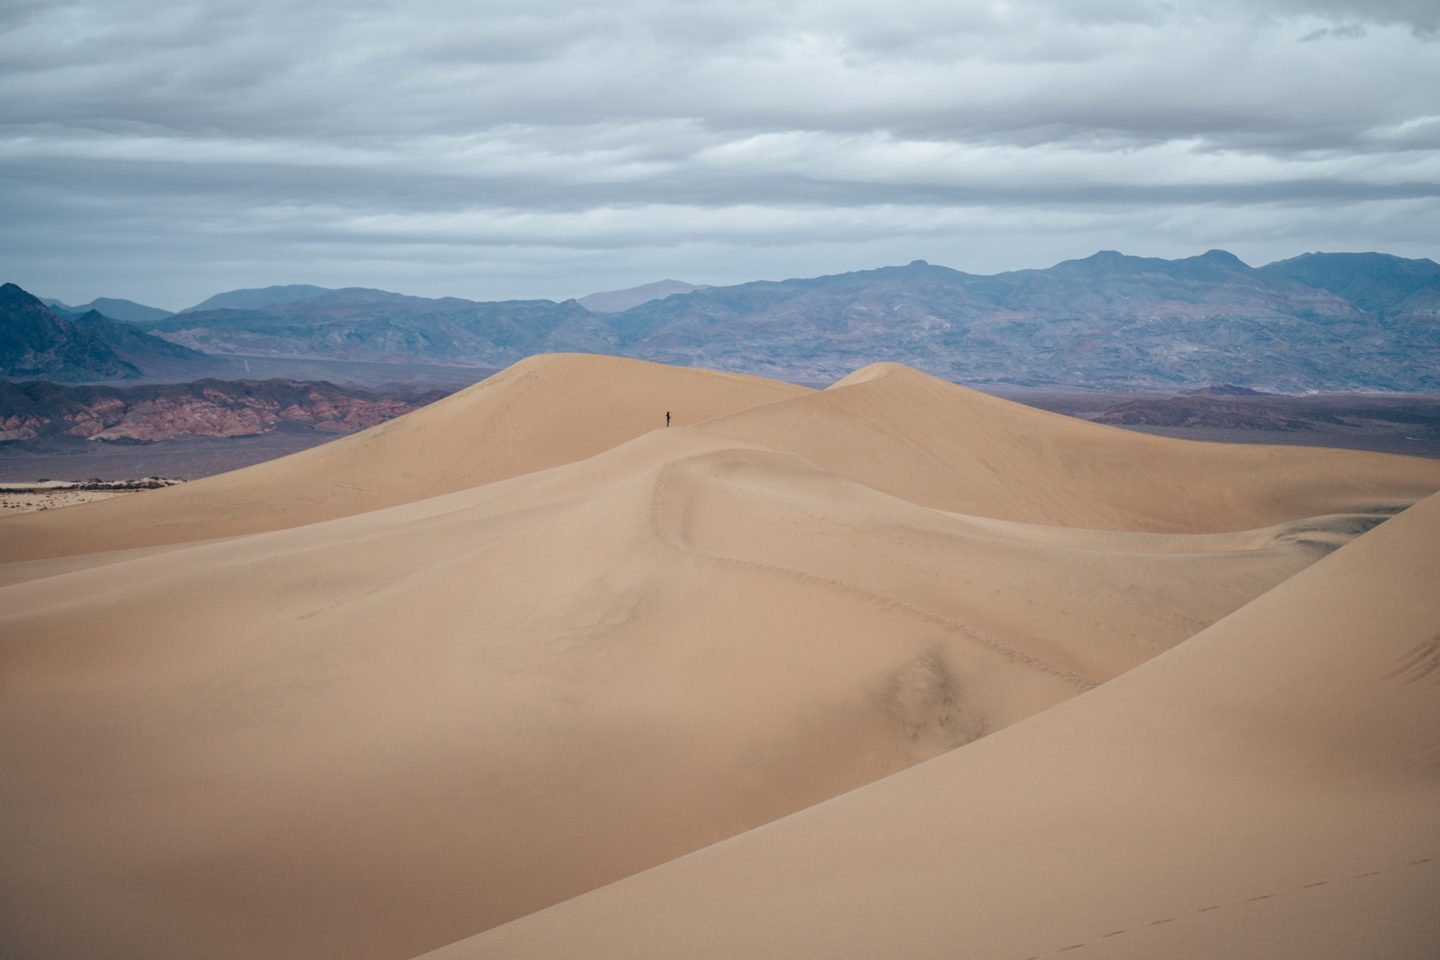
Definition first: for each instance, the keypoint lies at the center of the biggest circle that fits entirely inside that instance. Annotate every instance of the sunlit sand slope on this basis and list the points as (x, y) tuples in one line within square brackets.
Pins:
[(371, 735), (542, 412), (946, 446), (1269, 788), (272, 745)]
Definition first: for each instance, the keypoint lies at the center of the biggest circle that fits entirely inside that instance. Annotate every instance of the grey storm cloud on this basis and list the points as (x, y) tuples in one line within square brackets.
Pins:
[(164, 151)]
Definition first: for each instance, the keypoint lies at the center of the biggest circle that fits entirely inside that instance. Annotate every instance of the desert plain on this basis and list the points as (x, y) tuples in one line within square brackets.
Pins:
[(892, 668)]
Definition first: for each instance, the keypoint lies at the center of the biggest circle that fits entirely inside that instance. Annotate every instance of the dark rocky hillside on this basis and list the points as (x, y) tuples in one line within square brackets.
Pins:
[(36, 342)]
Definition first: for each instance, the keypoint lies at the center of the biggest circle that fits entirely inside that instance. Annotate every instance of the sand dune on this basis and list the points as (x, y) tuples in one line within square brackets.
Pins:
[(375, 734), (945, 446), (886, 426), (1270, 788), (539, 413)]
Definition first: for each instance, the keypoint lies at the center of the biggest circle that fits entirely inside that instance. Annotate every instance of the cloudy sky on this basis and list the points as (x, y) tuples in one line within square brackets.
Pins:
[(164, 151)]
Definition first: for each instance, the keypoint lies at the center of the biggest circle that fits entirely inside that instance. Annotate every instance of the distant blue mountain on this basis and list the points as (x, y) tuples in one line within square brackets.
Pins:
[(362, 324), (614, 301), (1337, 322), (258, 298), (112, 307)]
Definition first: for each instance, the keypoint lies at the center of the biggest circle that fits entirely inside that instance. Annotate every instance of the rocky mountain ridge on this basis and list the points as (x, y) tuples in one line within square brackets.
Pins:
[(1108, 321), (1318, 322), (35, 341)]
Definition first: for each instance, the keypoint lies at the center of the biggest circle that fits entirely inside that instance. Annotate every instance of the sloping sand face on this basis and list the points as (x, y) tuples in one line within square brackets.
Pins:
[(373, 735), (1271, 787), (540, 413), (948, 447)]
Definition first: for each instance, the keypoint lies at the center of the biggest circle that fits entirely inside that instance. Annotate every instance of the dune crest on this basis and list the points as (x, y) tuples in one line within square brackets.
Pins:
[(949, 447)]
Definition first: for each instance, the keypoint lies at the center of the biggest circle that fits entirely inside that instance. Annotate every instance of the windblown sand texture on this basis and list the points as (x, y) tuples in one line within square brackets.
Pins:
[(401, 689)]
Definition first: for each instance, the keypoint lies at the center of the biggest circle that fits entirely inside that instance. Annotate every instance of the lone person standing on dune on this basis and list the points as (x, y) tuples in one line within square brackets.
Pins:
[(667, 418)]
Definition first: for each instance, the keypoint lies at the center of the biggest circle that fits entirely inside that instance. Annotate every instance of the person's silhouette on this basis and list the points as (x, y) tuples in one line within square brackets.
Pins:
[(667, 418)]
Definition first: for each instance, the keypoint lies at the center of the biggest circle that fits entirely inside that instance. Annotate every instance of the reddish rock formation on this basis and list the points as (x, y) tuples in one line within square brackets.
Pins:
[(205, 408)]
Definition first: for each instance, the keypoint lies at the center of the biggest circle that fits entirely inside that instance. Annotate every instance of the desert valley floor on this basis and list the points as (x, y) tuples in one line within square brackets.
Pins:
[(889, 669)]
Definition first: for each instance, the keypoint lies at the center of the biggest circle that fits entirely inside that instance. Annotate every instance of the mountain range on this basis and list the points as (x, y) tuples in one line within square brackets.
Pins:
[(1108, 320), (1318, 322)]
